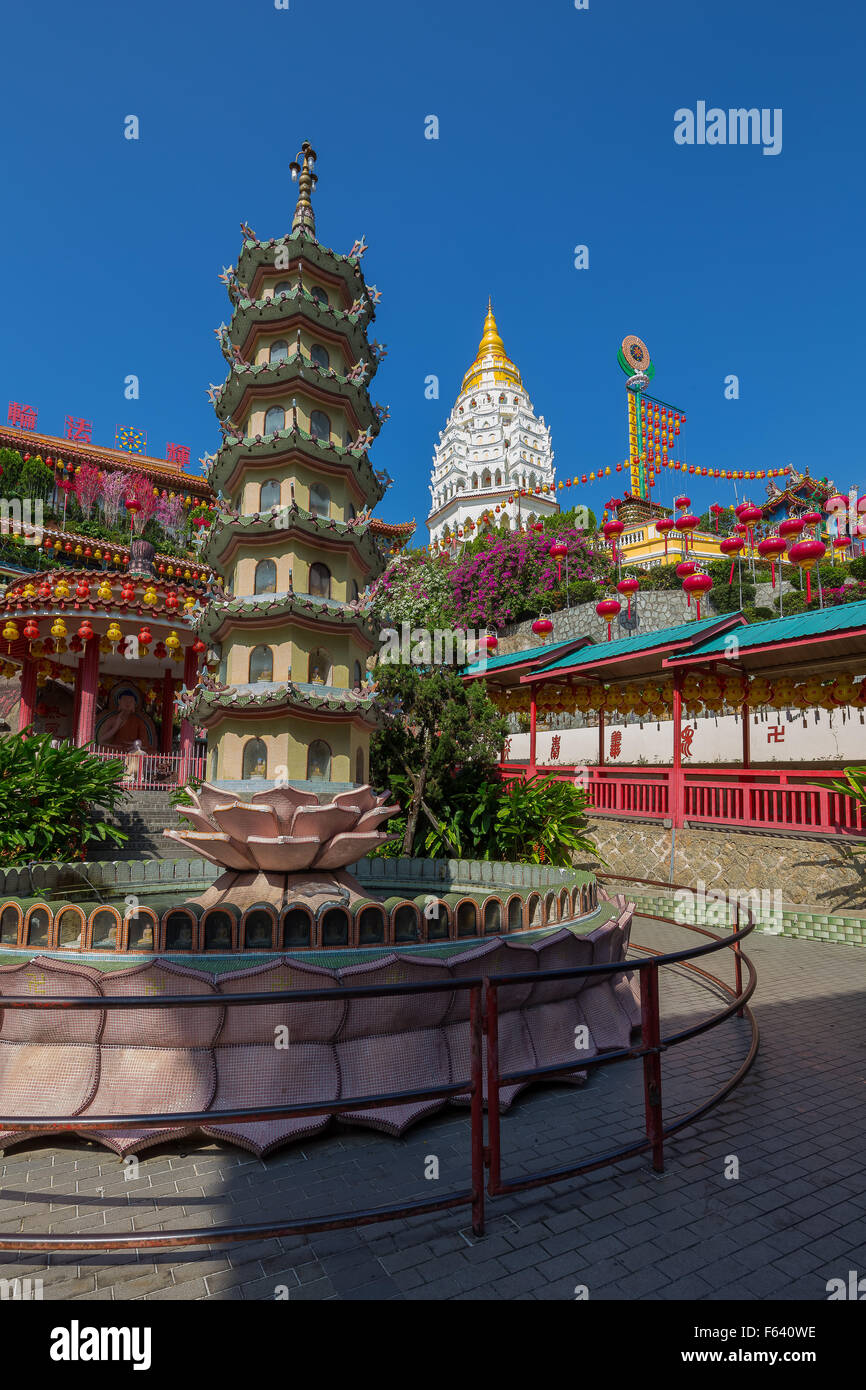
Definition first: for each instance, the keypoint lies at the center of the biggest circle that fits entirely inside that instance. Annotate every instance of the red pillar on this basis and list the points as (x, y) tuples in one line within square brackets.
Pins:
[(533, 720), (89, 676), (187, 731), (167, 712), (27, 707), (747, 748), (676, 802)]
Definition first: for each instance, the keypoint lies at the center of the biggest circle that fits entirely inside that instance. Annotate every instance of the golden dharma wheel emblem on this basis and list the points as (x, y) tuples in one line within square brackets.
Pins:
[(635, 352)]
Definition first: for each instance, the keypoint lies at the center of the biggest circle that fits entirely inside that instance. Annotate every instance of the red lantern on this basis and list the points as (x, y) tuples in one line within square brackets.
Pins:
[(686, 567), (488, 644), (686, 524), (557, 550), (697, 584), (608, 609), (171, 600), (628, 586), (542, 627), (85, 632), (31, 630), (82, 590), (791, 526), (144, 637), (160, 652), (663, 526), (613, 529), (731, 545), (198, 646), (771, 547), (682, 501), (806, 555)]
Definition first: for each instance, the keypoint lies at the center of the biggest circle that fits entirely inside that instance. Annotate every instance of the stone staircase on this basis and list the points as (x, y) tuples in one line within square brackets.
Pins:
[(144, 816)]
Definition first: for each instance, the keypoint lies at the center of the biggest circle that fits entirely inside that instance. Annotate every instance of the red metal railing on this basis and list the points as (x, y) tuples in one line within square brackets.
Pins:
[(761, 798), (152, 771), (483, 1021)]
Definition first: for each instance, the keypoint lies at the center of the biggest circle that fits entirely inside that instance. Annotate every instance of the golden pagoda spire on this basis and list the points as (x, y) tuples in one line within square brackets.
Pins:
[(491, 346), (302, 165)]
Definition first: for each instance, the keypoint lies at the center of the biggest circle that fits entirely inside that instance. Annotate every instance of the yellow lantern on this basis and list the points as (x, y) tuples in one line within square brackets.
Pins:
[(97, 554), (150, 595), (103, 593), (172, 641), (104, 645), (114, 634), (61, 589), (10, 633), (58, 628)]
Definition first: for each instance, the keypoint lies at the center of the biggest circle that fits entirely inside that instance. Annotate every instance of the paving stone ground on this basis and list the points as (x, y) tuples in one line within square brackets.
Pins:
[(793, 1218)]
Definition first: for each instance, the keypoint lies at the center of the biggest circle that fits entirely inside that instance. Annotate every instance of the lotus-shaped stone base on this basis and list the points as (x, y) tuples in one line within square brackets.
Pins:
[(284, 832)]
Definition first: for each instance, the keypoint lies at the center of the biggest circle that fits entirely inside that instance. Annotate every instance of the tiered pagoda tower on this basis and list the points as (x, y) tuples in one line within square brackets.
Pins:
[(493, 449), (293, 538)]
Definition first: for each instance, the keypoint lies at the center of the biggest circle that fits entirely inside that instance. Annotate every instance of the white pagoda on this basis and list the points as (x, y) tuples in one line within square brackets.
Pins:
[(492, 449)]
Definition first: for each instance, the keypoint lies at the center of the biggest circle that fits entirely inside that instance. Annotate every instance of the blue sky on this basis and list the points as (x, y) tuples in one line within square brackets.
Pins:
[(556, 129)]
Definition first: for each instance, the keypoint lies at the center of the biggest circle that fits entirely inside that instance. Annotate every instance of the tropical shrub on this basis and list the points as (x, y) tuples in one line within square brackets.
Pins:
[(538, 821), (52, 797)]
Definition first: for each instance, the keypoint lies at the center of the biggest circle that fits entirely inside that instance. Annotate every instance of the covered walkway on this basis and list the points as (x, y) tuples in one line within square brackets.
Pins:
[(719, 663)]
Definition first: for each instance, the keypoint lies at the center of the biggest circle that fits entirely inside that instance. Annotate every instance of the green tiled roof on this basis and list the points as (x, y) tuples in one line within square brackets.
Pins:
[(645, 641), (822, 622), (501, 663)]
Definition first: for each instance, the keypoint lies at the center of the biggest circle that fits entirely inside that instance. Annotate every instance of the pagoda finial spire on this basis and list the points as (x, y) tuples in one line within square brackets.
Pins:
[(302, 169)]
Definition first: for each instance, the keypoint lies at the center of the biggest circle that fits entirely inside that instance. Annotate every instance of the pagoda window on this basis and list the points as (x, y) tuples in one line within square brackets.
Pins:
[(284, 287), (320, 580), (255, 763), (269, 495), (320, 357), (486, 480), (261, 665), (319, 761), (266, 577), (275, 419), (357, 676), (279, 351), (354, 591), (319, 670), (352, 512), (474, 480), (320, 500), (320, 295), (498, 478), (320, 425), (359, 765)]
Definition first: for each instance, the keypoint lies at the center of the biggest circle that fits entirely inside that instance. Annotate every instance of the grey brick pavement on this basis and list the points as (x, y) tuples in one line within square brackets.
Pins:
[(794, 1218)]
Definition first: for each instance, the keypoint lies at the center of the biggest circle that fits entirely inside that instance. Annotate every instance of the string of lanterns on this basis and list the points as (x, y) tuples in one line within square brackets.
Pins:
[(706, 693)]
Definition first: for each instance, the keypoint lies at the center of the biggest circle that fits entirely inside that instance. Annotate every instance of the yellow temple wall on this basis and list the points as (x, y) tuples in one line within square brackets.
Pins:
[(297, 562), (291, 658), (308, 339), (287, 741), (249, 499)]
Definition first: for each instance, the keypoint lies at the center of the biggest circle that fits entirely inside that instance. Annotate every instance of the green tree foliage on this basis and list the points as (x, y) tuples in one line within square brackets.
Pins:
[(52, 798), (437, 724)]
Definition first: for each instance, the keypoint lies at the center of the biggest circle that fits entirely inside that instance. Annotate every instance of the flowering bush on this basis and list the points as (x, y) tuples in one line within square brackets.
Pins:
[(416, 589), (516, 577)]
